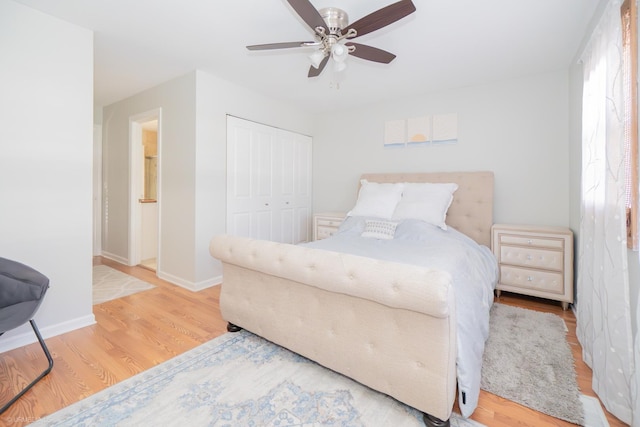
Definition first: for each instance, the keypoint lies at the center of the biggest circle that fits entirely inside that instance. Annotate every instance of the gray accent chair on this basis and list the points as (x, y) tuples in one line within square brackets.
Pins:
[(22, 290)]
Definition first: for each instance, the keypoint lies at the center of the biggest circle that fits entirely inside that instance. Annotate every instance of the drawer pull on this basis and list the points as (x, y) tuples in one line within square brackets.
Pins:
[(529, 257), (529, 278), (529, 242)]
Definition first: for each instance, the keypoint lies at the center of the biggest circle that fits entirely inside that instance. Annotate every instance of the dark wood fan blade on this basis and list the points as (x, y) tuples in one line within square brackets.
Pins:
[(382, 17), (285, 45), (371, 53), (315, 72), (309, 14)]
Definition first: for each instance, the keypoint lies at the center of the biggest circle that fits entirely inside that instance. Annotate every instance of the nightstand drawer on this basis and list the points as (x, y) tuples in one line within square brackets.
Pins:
[(546, 281), (510, 239), (324, 222), (324, 232), (530, 257)]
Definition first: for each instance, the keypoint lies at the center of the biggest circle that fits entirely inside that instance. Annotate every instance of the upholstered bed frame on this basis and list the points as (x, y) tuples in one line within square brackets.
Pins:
[(471, 211), (387, 325)]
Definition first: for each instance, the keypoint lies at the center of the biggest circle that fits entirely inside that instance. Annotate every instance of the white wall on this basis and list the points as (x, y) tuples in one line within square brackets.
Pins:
[(46, 132), (176, 99), (192, 198), (518, 129)]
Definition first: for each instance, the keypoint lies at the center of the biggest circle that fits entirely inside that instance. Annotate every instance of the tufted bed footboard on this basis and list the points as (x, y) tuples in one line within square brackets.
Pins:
[(387, 325)]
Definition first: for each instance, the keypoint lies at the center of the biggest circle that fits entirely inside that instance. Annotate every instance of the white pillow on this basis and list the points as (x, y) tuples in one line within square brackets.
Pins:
[(377, 200), (427, 202), (379, 229)]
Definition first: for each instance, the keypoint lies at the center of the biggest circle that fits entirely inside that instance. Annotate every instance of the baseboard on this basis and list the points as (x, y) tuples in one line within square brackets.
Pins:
[(209, 283), (192, 286), (28, 337), (116, 258)]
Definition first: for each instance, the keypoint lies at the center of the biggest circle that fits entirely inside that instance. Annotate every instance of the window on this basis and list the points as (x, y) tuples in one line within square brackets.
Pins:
[(630, 73)]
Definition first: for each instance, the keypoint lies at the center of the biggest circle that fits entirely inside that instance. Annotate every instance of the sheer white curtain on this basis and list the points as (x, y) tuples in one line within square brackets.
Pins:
[(635, 384), (603, 307)]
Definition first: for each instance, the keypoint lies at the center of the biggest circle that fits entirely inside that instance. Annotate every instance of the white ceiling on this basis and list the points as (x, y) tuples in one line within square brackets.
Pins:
[(444, 44)]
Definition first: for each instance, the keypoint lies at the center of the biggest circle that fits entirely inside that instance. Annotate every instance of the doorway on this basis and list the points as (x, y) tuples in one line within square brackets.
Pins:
[(145, 226)]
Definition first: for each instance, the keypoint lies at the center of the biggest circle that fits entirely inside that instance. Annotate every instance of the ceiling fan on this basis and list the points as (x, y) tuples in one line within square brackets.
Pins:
[(333, 33)]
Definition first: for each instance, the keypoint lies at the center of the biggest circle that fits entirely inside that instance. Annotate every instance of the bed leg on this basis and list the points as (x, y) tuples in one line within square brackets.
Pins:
[(233, 328), (431, 421)]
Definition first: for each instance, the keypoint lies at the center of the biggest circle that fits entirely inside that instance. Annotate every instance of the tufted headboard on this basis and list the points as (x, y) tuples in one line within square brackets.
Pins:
[(471, 211)]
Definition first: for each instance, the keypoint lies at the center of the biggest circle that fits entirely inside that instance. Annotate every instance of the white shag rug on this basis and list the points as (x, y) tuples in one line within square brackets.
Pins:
[(109, 284), (527, 360)]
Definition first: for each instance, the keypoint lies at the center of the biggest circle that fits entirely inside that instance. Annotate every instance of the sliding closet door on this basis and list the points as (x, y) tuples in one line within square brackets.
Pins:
[(293, 163), (249, 179), (268, 182)]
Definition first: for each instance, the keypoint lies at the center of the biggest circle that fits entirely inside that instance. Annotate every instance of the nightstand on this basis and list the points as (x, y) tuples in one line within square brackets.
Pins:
[(534, 260), (326, 223)]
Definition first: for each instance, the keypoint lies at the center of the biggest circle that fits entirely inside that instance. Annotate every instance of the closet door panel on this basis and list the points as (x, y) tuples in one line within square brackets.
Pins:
[(302, 224), (268, 182), (303, 169), (241, 223), (239, 184), (287, 232), (287, 168), (302, 201)]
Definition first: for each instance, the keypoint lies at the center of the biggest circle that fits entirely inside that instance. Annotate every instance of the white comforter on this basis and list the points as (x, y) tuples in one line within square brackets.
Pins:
[(474, 271)]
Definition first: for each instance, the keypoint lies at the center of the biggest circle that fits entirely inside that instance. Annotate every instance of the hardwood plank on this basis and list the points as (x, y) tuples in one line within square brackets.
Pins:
[(137, 332)]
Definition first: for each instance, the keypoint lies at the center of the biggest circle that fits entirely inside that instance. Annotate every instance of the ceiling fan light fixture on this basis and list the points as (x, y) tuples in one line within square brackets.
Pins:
[(339, 52), (316, 58), (339, 66)]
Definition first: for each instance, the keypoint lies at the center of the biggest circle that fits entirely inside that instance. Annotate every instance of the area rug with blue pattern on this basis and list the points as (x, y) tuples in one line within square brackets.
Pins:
[(239, 379)]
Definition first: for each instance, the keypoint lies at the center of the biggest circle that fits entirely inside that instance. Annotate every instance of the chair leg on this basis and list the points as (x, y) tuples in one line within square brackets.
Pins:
[(45, 372)]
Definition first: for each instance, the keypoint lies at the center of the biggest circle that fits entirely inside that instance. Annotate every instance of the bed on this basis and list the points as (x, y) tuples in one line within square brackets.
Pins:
[(397, 314)]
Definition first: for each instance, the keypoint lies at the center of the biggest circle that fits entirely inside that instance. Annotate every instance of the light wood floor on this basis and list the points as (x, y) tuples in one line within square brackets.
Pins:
[(137, 332)]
